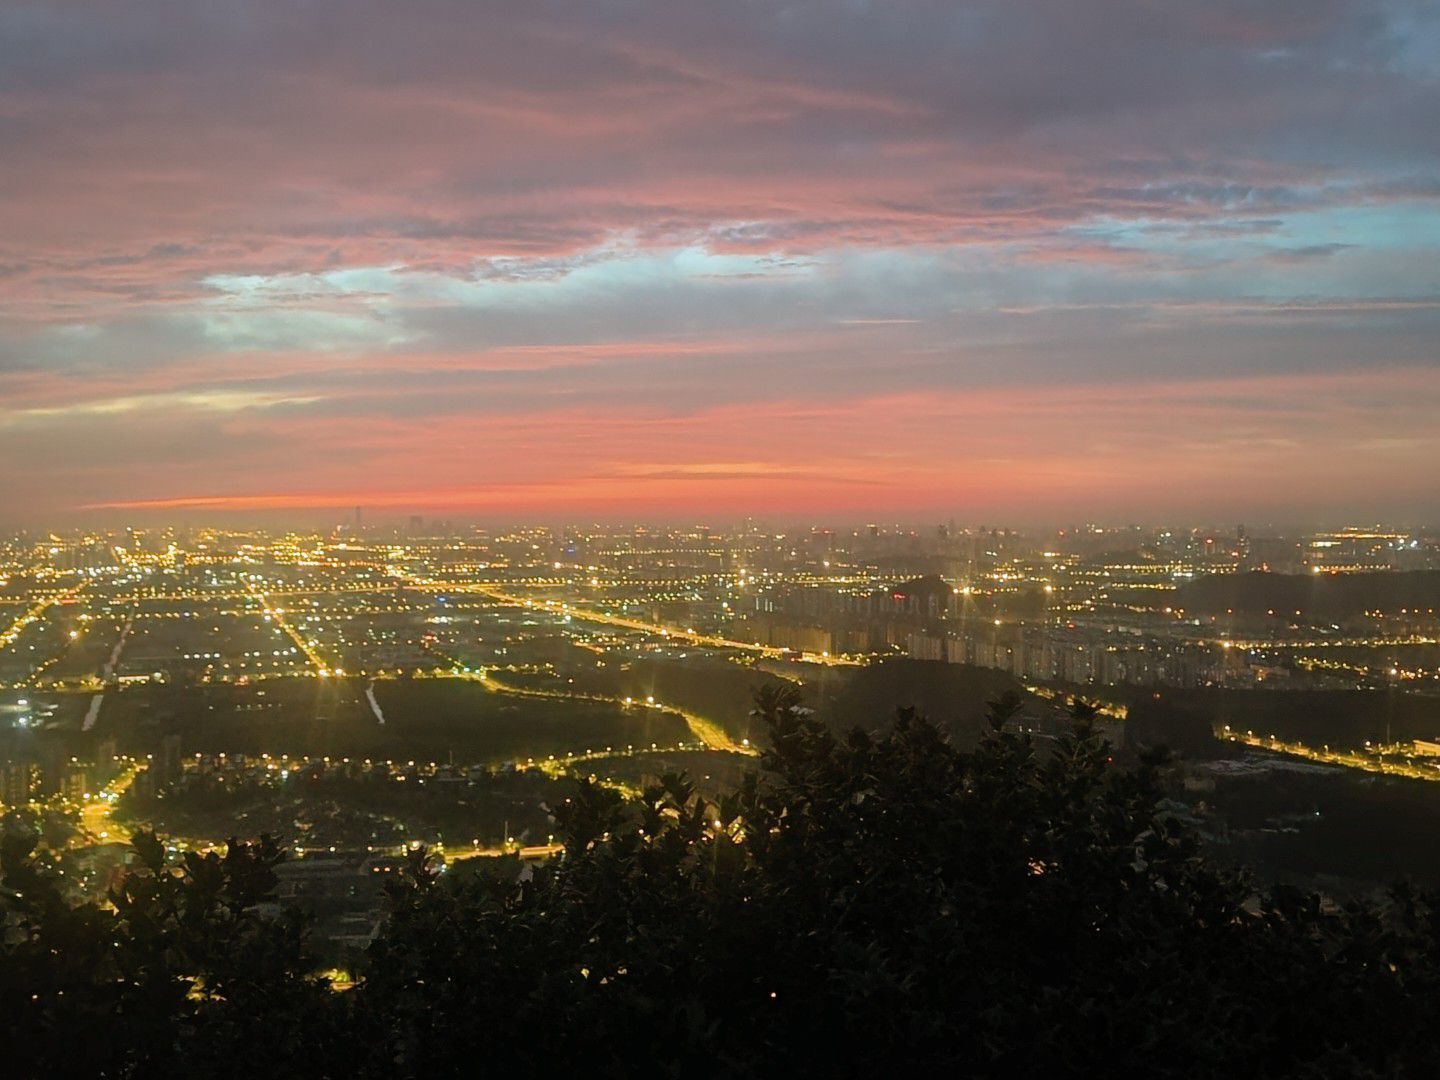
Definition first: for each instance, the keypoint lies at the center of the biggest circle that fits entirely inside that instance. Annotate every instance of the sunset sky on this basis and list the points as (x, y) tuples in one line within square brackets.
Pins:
[(1027, 260)]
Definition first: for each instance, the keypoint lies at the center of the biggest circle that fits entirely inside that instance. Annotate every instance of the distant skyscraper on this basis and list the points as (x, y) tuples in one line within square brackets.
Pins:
[(169, 758)]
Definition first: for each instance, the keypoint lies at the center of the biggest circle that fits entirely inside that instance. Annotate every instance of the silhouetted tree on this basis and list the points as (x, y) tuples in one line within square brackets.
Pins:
[(872, 904), (179, 971)]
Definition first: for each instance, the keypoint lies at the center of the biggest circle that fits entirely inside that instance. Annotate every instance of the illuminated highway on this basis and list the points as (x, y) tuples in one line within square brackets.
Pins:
[(623, 622), (1376, 642), (706, 731), (33, 612), (278, 614), (1370, 760), (97, 821), (711, 734)]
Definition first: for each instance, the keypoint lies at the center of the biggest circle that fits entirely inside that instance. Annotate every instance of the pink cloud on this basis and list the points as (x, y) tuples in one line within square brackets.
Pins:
[(984, 254), (1213, 443)]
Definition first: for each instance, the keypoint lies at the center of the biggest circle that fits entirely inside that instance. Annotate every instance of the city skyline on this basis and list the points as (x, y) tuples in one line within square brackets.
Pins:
[(1106, 260)]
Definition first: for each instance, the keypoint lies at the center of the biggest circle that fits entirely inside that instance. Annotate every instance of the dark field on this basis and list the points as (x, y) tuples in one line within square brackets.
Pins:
[(716, 689), (1339, 718), (1313, 595), (713, 772), (425, 719), (357, 811), (955, 696), (1350, 829)]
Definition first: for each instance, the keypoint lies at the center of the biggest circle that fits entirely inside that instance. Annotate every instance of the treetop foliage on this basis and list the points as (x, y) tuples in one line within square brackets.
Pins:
[(871, 904)]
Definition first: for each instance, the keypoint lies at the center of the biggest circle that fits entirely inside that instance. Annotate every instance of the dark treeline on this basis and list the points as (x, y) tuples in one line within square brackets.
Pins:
[(1330, 596), (865, 905), (1185, 719)]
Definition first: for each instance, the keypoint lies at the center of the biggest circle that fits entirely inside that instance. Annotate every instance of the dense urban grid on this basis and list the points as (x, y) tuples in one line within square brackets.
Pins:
[(367, 689), (386, 730)]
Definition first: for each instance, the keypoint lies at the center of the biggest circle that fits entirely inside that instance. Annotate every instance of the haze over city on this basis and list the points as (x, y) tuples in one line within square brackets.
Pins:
[(1103, 259)]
